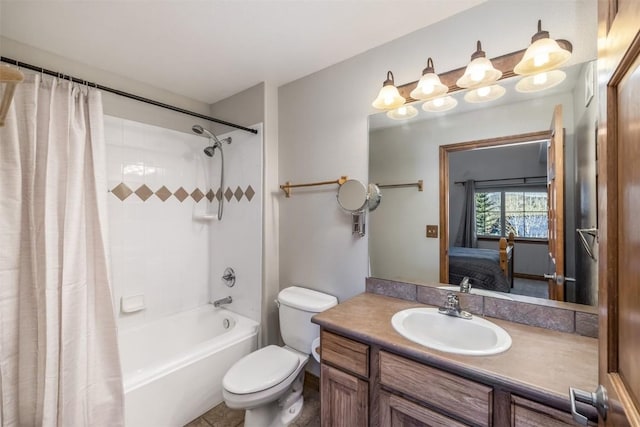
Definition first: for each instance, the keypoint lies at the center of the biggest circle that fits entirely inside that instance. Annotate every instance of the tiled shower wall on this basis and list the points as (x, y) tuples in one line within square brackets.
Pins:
[(163, 192)]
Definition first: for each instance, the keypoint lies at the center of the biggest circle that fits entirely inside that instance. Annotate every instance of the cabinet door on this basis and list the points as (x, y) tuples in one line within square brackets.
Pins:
[(398, 412), (344, 399), (449, 393)]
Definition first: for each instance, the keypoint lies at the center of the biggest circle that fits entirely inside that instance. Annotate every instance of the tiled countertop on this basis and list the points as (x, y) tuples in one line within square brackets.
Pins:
[(541, 364)]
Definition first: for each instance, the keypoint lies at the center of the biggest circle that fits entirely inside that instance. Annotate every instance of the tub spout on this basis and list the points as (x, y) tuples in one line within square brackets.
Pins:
[(218, 303)]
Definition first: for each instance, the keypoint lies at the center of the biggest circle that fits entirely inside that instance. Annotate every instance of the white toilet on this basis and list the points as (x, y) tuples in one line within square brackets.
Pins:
[(268, 382)]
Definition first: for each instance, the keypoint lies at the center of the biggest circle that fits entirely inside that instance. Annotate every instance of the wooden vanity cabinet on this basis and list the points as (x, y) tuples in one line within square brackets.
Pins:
[(364, 385)]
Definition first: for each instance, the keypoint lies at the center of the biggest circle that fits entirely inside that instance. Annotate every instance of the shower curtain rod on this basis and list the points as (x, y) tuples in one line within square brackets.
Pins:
[(124, 94)]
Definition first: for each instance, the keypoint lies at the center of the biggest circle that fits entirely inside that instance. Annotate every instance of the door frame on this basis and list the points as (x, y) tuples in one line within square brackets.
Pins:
[(615, 57), (445, 150)]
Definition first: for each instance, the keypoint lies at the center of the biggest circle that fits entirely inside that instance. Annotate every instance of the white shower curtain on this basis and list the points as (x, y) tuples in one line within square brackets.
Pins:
[(59, 362)]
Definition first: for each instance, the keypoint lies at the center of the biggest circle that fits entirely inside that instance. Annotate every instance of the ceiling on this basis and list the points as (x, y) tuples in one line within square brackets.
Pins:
[(209, 50)]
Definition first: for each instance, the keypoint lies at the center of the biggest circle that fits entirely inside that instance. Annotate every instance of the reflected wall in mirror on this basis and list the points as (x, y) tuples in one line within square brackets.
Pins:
[(408, 151)]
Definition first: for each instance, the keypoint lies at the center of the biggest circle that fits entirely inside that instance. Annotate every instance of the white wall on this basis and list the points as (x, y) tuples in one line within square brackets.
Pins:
[(161, 249), (271, 219), (243, 108), (323, 127)]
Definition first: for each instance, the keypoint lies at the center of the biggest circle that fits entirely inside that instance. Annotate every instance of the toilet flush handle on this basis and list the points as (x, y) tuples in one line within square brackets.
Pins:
[(277, 303)]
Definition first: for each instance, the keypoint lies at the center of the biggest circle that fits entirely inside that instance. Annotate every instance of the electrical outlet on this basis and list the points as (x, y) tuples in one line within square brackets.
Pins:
[(432, 231)]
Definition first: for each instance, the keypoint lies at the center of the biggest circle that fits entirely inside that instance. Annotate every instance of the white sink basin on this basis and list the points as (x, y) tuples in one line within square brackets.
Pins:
[(474, 337), (477, 291)]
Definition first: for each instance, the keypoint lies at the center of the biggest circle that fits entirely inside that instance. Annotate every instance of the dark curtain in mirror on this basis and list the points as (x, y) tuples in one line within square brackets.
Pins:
[(467, 231)]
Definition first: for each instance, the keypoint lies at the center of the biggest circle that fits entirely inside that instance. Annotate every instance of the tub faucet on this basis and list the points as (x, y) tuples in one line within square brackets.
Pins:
[(452, 307), (465, 285), (219, 302)]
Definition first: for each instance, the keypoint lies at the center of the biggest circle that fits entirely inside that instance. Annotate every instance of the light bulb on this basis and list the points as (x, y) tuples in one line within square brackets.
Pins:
[(438, 102), (477, 74), (428, 88), (540, 59), (403, 113), (484, 91), (484, 94), (540, 79), (389, 96)]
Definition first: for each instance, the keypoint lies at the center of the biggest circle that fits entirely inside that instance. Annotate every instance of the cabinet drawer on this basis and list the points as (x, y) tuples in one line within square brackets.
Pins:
[(398, 412), (347, 354), (451, 393), (526, 413)]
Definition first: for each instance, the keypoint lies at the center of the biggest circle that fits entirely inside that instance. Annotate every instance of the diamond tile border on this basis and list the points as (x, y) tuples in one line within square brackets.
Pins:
[(197, 195), (238, 193), (144, 192), (181, 194), (249, 193), (122, 192), (228, 194), (163, 193)]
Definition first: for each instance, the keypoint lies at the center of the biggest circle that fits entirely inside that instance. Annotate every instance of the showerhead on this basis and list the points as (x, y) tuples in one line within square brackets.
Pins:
[(210, 150), (202, 131)]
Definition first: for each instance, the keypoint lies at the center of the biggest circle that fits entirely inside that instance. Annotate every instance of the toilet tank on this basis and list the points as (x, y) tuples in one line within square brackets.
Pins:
[(297, 306)]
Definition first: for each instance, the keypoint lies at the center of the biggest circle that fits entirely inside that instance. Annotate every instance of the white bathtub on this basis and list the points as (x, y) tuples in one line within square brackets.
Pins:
[(173, 367)]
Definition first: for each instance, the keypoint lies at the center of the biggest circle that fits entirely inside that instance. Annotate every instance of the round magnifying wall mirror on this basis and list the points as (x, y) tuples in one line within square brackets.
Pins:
[(352, 196)]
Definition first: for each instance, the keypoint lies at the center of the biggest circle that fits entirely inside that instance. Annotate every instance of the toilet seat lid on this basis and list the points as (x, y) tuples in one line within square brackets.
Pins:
[(260, 370)]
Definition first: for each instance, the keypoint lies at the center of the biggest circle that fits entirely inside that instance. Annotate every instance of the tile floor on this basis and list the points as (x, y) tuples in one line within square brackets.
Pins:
[(221, 416)]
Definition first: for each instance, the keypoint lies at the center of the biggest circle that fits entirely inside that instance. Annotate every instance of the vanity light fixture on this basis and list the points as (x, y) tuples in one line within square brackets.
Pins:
[(437, 105), (388, 98), (479, 72), (403, 112), (543, 54), (537, 64), (484, 94), (429, 86), (540, 81)]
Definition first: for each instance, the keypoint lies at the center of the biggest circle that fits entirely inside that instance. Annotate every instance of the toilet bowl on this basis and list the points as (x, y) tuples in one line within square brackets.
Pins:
[(271, 374), (268, 383)]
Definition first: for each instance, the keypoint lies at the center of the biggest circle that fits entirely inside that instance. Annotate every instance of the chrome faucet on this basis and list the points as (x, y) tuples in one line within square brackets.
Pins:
[(452, 307), (218, 303), (465, 285)]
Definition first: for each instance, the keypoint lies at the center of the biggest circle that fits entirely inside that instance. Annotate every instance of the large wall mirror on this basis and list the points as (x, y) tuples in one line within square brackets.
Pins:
[(509, 179)]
